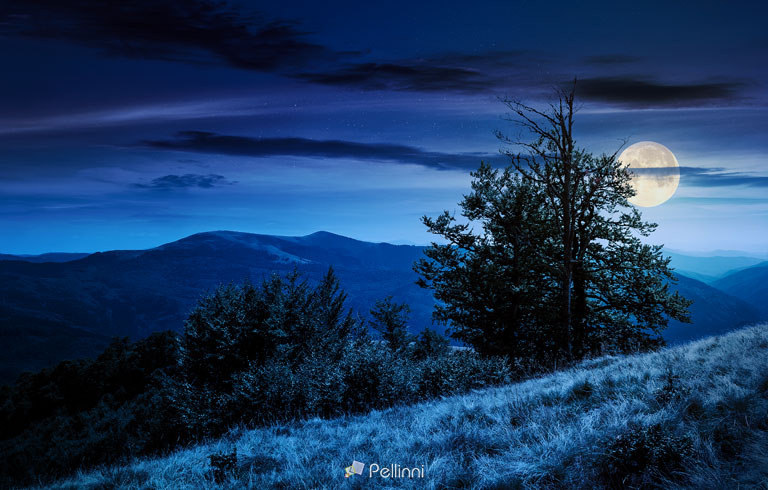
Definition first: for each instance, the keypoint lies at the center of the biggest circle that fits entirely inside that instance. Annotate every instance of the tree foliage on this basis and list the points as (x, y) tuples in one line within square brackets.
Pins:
[(241, 325), (249, 355), (549, 261), (391, 321), (489, 284)]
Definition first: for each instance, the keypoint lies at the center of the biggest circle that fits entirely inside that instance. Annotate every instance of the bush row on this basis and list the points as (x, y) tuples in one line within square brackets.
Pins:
[(249, 355)]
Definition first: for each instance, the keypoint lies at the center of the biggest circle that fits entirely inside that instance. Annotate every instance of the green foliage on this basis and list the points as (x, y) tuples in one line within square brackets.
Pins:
[(672, 390), (240, 325), (223, 465), (391, 321), (91, 411), (642, 455), (486, 285), (430, 344), (249, 355), (368, 376), (547, 263)]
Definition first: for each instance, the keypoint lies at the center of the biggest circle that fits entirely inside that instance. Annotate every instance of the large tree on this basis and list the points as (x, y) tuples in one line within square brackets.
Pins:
[(558, 268), (491, 285)]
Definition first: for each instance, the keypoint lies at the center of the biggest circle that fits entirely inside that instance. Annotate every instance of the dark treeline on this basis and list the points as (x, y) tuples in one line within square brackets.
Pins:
[(249, 355)]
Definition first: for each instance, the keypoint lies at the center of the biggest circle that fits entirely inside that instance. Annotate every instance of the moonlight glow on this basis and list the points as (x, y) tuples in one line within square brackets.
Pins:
[(656, 172)]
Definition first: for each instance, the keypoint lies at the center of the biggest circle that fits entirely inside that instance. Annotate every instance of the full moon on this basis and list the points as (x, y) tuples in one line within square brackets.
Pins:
[(656, 173)]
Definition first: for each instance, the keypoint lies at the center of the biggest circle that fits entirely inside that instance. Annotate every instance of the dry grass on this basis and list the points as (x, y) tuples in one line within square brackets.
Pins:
[(602, 423)]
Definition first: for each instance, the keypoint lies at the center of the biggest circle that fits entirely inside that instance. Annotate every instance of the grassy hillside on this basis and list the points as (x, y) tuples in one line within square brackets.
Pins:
[(693, 416)]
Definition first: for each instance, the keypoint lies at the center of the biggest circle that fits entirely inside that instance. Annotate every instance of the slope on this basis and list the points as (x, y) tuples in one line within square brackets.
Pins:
[(750, 284), (713, 312), (693, 416)]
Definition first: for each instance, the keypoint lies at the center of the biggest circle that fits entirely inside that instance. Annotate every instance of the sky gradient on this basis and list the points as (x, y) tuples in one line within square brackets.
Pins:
[(128, 127)]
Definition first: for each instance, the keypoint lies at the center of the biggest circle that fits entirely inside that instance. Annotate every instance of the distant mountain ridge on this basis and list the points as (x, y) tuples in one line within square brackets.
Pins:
[(710, 269), (136, 292), (713, 312), (750, 284), (46, 257)]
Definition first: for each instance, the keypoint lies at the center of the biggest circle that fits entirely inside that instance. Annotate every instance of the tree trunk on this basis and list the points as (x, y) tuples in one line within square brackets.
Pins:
[(567, 279), (579, 313), (566, 156)]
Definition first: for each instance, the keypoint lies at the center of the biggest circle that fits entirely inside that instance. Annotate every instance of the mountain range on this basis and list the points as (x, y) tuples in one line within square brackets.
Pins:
[(70, 305), (750, 284), (48, 257), (710, 268)]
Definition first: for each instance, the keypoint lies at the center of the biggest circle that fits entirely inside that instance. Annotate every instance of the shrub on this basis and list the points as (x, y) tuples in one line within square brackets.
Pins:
[(672, 390), (223, 465), (390, 320), (283, 318), (581, 391), (318, 364), (249, 355), (430, 344), (369, 375), (729, 435), (642, 454)]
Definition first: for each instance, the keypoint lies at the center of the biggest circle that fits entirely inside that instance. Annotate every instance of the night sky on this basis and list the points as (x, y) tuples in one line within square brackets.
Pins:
[(132, 125)]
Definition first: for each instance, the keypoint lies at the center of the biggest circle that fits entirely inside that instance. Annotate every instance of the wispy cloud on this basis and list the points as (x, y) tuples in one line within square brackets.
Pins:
[(185, 181), (207, 142), (705, 177), (612, 59), (720, 177), (115, 116), (226, 33)]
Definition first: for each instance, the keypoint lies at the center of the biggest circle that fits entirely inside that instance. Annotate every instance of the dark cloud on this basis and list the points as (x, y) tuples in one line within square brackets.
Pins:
[(198, 31), (185, 181), (447, 72), (639, 92), (487, 58), (206, 142), (424, 77), (612, 59), (213, 32)]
